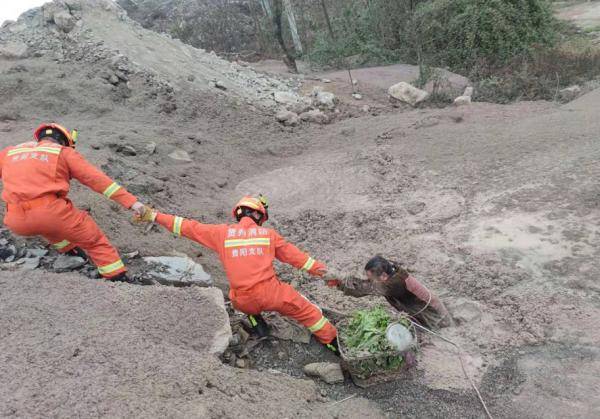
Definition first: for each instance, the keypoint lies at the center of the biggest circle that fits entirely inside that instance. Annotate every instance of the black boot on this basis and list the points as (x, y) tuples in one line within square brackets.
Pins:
[(333, 347), (259, 325), (123, 277), (78, 252)]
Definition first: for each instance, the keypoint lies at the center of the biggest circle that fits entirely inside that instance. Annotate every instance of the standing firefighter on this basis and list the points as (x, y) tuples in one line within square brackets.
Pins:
[(247, 250), (401, 290), (36, 177)]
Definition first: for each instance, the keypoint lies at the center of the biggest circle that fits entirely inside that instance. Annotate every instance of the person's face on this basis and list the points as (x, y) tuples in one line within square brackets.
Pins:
[(372, 276)]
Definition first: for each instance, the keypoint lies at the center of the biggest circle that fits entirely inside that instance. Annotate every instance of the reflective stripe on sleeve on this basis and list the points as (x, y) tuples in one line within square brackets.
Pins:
[(20, 150), (61, 245), (318, 325), (108, 269), (110, 191), (177, 226), (308, 265), (247, 242)]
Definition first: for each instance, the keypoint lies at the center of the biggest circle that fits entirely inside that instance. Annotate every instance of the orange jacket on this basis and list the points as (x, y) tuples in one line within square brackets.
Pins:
[(32, 170), (246, 250)]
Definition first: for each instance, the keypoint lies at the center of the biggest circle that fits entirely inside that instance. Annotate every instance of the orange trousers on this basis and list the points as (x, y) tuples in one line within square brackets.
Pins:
[(274, 295), (66, 227)]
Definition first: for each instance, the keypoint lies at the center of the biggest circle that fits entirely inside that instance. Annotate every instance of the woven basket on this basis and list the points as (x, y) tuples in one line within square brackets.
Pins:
[(368, 370)]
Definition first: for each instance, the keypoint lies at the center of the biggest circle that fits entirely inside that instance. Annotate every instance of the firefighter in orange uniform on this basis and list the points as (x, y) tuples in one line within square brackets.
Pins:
[(247, 250), (36, 177)]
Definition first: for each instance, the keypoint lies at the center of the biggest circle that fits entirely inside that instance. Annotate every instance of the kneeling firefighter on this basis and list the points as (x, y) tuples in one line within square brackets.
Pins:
[(36, 177), (247, 251)]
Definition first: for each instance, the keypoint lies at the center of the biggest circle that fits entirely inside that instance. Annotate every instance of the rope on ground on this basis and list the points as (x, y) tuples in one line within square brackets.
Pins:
[(462, 365)]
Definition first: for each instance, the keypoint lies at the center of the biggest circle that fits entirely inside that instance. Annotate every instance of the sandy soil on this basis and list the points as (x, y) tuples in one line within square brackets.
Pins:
[(496, 207)]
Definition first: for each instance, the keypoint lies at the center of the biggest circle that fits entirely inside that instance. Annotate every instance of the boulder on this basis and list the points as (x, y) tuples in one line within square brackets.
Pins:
[(315, 116), (64, 21), (329, 372), (175, 270), (287, 118), (407, 93), (14, 50)]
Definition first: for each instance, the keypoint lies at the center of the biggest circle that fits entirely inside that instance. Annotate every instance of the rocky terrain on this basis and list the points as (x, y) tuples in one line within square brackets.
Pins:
[(496, 207)]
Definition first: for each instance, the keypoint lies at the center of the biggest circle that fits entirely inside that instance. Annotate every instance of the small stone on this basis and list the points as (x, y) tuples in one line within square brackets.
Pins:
[(37, 253), (415, 208), (65, 263), (181, 156), (570, 93), (191, 78), (150, 147), (64, 20), (324, 99), (357, 96), (316, 116), (127, 150), (131, 255), (366, 109), (287, 118), (329, 372), (220, 85), (326, 80), (462, 101), (241, 363)]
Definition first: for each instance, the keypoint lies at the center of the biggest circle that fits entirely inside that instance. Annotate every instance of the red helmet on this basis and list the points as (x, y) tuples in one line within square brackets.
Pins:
[(57, 132), (259, 204)]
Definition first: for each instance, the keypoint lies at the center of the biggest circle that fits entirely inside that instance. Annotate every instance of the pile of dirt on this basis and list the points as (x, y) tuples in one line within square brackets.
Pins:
[(133, 351)]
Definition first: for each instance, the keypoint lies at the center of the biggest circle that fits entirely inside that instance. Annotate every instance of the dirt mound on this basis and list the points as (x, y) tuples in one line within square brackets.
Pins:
[(135, 352)]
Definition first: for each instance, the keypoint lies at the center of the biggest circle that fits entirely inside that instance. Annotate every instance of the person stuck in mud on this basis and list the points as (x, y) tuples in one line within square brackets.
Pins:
[(406, 294), (247, 250)]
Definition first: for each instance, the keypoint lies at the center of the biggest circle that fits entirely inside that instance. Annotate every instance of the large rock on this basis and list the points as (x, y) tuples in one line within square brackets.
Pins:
[(64, 20), (175, 270), (407, 93), (14, 50), (329, 372)]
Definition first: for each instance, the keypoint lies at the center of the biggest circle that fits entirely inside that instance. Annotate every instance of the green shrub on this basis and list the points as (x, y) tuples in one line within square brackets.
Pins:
[(465, 35)]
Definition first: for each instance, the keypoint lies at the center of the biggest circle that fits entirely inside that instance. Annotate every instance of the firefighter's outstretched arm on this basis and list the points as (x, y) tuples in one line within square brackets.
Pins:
[(95, 179), (290, 254), (205, 234)]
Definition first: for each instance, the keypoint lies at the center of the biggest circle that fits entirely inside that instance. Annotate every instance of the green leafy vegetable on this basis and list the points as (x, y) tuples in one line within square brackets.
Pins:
[(363, 339)]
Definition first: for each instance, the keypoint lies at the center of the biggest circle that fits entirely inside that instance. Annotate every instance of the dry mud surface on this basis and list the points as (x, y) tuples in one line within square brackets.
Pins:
[(496, 207)]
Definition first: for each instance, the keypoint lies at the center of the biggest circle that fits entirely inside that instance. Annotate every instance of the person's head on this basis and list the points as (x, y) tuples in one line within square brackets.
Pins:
[(255, 208), (55, 133), (379, 269)]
